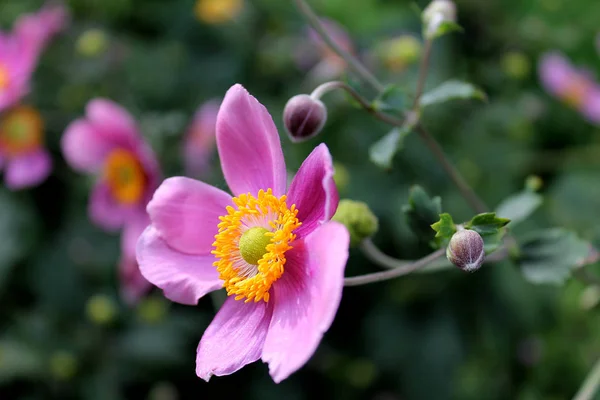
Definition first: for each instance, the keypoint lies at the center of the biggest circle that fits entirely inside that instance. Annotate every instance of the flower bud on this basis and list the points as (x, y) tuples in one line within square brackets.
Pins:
[(466, 251), (92, 43), (303, 117), (435, 14), (358, 219)]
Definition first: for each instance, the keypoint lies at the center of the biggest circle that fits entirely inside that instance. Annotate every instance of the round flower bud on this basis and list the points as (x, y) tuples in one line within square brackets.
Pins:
[(466, 251), (436, 13), (358, 219), (92, 43), (303, 117)]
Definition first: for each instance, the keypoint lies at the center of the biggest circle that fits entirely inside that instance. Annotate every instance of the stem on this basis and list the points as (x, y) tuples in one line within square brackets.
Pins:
[(422, 73), (394, 273), (590, 385), (329, 86), (460, 182), (352, 62), (378, 257)]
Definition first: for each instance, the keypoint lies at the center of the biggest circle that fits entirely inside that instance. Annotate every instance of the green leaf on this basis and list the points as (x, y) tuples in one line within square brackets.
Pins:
[(445, 227), (383, 151), (548, 256), (421, 212), (444, 28), (19, 360), (392, 98), (486, 224), (451, 90), (519, 207)]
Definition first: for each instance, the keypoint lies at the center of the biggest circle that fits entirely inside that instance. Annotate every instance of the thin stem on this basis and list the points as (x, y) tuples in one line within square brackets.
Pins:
[(456, 177), (422, 73), (378, 257), (394, 273), (590, 385), (329, 86), (352, 62)]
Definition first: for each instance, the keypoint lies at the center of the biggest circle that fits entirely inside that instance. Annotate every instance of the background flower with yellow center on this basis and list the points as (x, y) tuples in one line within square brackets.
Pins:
[(217, 11)]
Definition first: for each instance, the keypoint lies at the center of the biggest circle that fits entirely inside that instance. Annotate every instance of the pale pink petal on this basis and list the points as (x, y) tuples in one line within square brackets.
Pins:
[(184, 278), (556, 73), (105, 211), (186, 213), (313, 191), (115, 123), (199, 143), (249, 146), (591, 105), (28, 170), (234, 338), (85, 148), (132, 230), (306, 299), (133, 285)]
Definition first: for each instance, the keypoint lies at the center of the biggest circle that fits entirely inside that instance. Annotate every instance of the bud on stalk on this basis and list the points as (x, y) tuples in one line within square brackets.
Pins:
[(304, 117), (466, 250)]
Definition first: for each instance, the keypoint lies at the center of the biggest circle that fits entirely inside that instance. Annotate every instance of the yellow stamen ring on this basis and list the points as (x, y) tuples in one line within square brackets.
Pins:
[(251, 244), (125, 176)]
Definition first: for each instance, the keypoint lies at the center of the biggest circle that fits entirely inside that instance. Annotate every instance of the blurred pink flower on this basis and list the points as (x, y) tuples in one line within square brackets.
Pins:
[(199, 143), (22, 155), (279, 256), (575, 87), (107, 143)]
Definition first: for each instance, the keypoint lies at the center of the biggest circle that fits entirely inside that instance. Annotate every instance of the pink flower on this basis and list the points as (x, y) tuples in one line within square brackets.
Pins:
[(22, 155), (107, 143), (199, 142), (278, 256), (573, 86)]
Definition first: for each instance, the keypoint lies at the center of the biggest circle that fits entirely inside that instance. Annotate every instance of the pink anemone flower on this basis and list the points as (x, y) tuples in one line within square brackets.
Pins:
[(199, 142), (279, 257), (108, 143), (573, 86)]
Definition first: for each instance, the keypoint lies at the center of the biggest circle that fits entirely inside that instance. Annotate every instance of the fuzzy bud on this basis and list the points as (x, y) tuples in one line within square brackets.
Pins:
[(303, 117), (358, 219), (436, 13), (466, 251)]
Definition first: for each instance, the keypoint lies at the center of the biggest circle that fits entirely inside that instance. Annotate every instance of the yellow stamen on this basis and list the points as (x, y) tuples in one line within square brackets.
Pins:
[(125, 176), (21, 130), (4, 77), (247, 263)]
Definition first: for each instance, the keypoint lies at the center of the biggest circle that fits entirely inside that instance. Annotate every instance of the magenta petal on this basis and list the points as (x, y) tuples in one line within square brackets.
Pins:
[(105, 211), (591, 105), (115, 123), (28, 170), (306, 299), (184, 278), (84, 148), (234, 338), (249, 146), (186, 213), (313, 191)]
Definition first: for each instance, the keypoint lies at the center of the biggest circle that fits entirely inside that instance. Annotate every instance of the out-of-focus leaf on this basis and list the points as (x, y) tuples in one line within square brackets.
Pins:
[(444, 28), (444, 228), (421, 212), (18, 360), (490, 227), (519, 206), (383, 151), (392, 98), (452, 90), (548, 256)]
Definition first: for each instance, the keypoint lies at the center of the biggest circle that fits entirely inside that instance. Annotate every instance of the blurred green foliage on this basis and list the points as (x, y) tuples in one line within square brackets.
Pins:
[(64, 332)]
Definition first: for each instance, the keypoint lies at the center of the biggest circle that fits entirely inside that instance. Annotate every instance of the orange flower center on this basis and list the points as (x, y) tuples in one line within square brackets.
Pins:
[(4, 77), (21, 130), (125, 176), (575, 94), (217, 11), (251, 244)]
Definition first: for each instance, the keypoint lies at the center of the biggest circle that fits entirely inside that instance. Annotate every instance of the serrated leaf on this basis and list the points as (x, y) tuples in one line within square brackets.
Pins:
[(383, 151), (519, 207), (392, 98), (452, 90), (548, 256), (421, 212), (486, 224), (445, 227)]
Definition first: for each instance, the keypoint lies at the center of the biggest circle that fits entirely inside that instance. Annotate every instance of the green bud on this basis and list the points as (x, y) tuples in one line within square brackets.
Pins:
[(516, 65), (101, 309), (152, 309), (436, 14), (400, 52), (534, 183), (358, 219), (92, 43), (341, 176), (63, 365)]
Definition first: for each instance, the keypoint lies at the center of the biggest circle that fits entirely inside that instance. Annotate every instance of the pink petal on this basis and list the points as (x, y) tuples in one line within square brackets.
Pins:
[(105, 211), (234, 338), (132, 230), (313, 191), (184, 278), (186, 213), (591, 105), (27, 170), (114, 122), (249, 146), (133, 284), (84, 147), (306, 299), (199, 143)]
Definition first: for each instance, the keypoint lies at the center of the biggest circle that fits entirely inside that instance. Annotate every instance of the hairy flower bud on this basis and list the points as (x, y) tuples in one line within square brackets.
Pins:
[(466, 251), (303, 117), (358, 219), (436, 13)]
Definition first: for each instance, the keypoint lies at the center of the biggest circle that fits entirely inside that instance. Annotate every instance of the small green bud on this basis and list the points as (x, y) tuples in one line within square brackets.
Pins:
[(92, 43), (534, 183), (101, 309), (516, 65), (358, 219), (466, 250), (152, 310), (341, 176), (399, 52)]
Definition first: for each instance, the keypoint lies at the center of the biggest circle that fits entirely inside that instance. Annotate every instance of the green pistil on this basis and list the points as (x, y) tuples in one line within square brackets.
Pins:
[(253, 244)]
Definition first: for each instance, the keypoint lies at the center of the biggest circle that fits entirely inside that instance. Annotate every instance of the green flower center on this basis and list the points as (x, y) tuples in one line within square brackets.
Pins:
[(253, 244)]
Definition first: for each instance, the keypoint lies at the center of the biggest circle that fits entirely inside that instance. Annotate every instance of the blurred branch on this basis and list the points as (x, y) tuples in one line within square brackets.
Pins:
[(401, 269), (423, 68), (590, 385), (352, 62)]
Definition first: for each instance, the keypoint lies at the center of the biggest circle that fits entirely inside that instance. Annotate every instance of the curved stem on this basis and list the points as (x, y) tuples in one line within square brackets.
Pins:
[(394, 273), (378, 257), (352, 62), (590, 385)]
